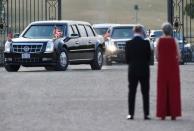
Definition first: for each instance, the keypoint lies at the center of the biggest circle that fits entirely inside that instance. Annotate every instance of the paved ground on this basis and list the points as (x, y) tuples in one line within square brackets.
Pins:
[(83, 100)]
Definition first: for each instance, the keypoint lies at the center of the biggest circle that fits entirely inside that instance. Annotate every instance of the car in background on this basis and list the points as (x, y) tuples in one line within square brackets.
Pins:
[(154, 34), (101, 29), (54, 45), (186, 53), (116, 42), (184, 47)]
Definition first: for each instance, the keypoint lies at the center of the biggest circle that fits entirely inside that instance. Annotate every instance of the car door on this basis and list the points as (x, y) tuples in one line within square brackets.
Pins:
[(83, 42), (74, 43), (91, 42)]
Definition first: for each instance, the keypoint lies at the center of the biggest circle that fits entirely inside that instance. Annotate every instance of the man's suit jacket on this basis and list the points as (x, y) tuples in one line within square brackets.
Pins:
[(138, 54)]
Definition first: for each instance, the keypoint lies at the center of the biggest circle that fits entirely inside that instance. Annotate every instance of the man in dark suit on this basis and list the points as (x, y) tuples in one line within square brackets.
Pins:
[(138, 53)]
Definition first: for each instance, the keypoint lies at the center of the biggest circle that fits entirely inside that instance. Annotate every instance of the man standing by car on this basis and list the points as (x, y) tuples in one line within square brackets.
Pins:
[(138, 53)]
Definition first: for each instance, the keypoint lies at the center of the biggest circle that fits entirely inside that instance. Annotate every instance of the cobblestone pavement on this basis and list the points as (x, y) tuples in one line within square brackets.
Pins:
[(84, 100)]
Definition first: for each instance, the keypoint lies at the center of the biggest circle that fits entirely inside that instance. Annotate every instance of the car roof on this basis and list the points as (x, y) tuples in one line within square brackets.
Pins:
[(124, 25), (152, 31), (104, 25), (60, 22)]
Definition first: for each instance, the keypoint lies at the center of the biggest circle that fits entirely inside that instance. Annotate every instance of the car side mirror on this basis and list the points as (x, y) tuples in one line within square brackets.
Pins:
[(16, 35), (74, 35)]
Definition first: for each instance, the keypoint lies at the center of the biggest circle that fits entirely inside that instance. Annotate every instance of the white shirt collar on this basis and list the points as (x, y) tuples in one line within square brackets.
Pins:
[(138, 35)]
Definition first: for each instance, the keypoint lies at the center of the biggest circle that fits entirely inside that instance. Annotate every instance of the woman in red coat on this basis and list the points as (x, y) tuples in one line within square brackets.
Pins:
[(168, 79)]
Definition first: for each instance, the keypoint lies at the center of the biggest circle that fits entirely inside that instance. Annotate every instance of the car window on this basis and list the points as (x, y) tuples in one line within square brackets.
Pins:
[(178, 35), (89, 30), (82, 30), (71, 31), (101, 31), (43, 31), (157, 33), (122, 33), (109, 30), (75, 29), (57, 32)]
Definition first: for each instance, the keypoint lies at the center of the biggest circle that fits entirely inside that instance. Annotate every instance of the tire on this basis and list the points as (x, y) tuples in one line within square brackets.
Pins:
[(182, 63), (190, 56), (62, 61), (98, 60), (12, 68), (49, 68)]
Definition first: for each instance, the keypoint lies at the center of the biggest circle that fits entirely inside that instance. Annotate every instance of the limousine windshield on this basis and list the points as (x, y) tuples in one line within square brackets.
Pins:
[(122, 33), (45, 31)]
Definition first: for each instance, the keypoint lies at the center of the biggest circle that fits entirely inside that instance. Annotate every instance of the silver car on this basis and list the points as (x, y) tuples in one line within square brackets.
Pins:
[(115, 44), (101, 29)]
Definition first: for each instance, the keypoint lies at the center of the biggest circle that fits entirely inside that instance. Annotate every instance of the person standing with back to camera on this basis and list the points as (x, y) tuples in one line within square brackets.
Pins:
[(168, 78), (138, 53)]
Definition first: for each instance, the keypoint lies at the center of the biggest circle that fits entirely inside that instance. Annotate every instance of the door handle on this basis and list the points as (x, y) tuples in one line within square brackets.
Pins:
[(89, 41), (77, 42)]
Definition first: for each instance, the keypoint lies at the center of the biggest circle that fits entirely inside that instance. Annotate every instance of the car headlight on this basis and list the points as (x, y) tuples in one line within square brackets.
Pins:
[(49, 47), (7, 46), (111, 47)]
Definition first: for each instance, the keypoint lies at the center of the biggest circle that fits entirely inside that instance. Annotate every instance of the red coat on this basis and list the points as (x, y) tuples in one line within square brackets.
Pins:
[(168, 80)]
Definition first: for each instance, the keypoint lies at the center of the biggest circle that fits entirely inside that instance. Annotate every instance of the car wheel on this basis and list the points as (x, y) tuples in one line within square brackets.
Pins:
[(62, 61), (49, 68), (98, 60), (182, 62), (12, 68)]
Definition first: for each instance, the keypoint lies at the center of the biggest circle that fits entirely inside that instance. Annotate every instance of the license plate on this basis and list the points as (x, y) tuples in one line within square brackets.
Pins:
[(25, 56)]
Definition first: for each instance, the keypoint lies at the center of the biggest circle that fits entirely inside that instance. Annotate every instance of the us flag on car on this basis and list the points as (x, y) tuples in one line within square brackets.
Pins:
[(57, 32), (9, 36)]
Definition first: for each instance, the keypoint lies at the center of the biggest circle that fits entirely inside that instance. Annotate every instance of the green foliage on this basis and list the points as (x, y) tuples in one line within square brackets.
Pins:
[(189, 9)]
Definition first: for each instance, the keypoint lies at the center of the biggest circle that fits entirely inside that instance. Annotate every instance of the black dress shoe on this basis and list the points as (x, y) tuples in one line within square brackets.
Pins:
[(147, 118), (173, 118), (129, 117)]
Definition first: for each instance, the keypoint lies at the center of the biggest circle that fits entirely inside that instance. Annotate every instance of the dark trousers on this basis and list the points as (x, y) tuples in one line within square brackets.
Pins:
[(133, 82)]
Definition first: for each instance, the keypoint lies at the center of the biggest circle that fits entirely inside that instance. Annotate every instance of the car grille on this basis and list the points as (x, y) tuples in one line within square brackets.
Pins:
[(27, 48), (31, 60), (121, 45)]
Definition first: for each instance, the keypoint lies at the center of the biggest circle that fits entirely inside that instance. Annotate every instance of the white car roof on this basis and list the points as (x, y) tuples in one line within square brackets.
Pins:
[(152, 32), (60, 21), (125, 25), (155, 31), (104, 25)]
